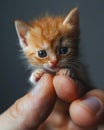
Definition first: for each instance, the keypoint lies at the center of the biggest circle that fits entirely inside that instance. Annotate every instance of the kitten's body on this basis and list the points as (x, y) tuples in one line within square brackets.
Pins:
[(51, 45)]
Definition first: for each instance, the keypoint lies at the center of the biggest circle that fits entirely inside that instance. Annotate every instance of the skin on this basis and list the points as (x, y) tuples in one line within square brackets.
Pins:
[(27, 113)]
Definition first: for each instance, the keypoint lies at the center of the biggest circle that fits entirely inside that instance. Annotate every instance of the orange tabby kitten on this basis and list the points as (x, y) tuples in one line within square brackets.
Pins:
[(50, 44)]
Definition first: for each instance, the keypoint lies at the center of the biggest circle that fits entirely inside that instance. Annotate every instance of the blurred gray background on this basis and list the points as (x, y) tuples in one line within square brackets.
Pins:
[(13, 73)]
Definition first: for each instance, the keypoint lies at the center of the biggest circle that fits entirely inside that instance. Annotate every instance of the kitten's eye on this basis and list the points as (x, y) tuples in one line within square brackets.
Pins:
[(63, 50), (42, 53)]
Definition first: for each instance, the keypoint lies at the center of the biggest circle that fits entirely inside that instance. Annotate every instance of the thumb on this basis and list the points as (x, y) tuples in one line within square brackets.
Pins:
[(89, 110), (31, 110)]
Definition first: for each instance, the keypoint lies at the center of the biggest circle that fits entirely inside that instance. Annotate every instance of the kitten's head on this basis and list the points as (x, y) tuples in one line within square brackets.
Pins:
[(50, 42)]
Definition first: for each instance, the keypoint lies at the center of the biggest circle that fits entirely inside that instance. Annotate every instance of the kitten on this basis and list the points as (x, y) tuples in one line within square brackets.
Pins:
[(50, 44)]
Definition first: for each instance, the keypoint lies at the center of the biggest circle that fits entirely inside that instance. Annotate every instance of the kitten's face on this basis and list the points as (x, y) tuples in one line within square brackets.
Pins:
[(49, 43), (50, 56)]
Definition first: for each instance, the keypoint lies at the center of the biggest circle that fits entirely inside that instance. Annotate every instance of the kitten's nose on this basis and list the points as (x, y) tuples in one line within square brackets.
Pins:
[(53, 63)]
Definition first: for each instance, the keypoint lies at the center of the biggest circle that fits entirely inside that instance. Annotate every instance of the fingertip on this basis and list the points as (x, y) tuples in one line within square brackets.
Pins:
[(65, 88), (43, 85)]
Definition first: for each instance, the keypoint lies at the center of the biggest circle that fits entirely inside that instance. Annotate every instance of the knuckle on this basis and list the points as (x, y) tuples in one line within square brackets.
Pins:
[(17, 111)]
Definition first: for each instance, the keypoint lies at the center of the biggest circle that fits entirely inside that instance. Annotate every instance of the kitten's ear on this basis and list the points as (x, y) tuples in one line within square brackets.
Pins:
[(22, 29), (72, 19)]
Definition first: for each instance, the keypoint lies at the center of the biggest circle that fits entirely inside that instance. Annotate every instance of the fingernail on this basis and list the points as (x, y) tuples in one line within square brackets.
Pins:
[(93, 104), (36, 88)]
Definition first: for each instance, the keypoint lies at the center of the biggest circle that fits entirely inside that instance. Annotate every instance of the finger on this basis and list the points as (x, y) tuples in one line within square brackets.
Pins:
[(31, 110), (66, 88), (89, 110)]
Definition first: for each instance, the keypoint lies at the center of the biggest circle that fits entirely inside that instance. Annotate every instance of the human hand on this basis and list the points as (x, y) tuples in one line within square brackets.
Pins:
[(29, 112), (87, 112)]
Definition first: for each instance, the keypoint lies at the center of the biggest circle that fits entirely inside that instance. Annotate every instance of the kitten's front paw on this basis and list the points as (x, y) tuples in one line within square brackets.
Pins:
[(36, 75), (67, 72)]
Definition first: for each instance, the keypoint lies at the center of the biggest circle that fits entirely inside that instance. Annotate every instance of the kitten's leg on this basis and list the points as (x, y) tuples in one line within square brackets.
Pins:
[(36, 75)]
